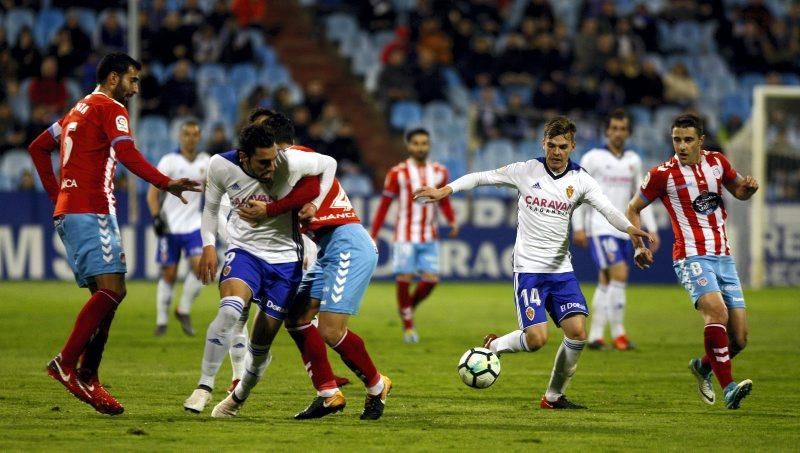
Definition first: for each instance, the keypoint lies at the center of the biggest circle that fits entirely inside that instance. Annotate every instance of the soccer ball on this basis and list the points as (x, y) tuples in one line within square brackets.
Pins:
[(479, 368)]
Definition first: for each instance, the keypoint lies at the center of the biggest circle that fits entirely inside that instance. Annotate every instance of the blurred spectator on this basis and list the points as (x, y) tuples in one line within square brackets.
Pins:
[(644, 25), (488, 114), (27, 56), (434, 40), (238, 47), (479, 60), (172, 42), (376, 15), (679, 87), (396, 80), (429, 82), (586, 46), (539, 9), (218, 142), (207, 45), (110, 37), (462, 39), (782, 48), (518, 62), (650, 86), (315, 98), (8, 69), (259, 97), (219, 15), (315, 138), (354, 182), (282, 100), (181, 96), (81, 42), (149, 91), (87, 73), (192, 15), (756, 11), (680, 10), (26, 182), (12, 134), (344, 148), (301, 119), (331, 121), (156, 14), (748, 49), (40, 120), (69, 58), (628, 43), (400, 42), (249, 13), (48, 90), (547, 98), (515, 122)]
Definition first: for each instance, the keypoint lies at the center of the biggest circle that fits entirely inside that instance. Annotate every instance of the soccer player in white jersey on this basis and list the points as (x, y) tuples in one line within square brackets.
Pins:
[(550, 188), (618, 171), (690, 186), (416, 249), (177, 226), (263, 262)]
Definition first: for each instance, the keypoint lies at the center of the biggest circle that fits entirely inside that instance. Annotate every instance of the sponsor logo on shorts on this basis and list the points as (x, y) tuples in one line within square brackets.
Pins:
[(275, 307), (702, 281), (571, 305), (738, 299), (529, 313), (731, 288), (226, 270)]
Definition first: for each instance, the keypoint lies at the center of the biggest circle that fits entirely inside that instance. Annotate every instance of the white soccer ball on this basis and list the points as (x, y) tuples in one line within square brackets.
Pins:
[(479, 368)]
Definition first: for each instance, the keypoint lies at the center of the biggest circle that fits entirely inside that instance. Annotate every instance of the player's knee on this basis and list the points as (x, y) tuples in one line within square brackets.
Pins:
[(332, 334), (230, 310), (738, 342), (577, 335), (535, 340)]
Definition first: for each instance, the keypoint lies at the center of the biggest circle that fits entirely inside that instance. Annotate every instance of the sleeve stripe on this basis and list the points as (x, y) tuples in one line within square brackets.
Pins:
[(55, 131), (643, 197), (121, 138)]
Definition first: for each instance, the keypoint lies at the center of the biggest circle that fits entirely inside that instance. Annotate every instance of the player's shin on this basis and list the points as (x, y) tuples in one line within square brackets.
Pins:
[(257, 360), (422, 291), (88, 321), (218, 338), (599, 313), (354, 354), (616, 305), (716, 345), (164, 293), (90, 360), (238, 349), (315, 358), (510, 342), (191, 288), (564, 366), (404, 304)]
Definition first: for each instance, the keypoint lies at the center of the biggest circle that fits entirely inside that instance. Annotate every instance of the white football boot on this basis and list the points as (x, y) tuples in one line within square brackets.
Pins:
[(197, 401)]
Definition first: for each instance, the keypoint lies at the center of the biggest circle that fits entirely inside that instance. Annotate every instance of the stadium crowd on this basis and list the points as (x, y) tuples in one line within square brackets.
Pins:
[(500, 68)]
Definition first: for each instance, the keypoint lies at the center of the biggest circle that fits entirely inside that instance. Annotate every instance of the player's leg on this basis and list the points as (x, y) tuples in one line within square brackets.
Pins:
[(567, 308), (731, 290), (403, 264), (238, 349), (167, 256), (241, 277), (427, 263), (192, 245), (531, 316), (600, 310), (94, 241), (617, 300)]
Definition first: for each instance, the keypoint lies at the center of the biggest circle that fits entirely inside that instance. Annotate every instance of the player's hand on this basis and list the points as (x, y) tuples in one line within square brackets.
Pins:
[(637, 236), (430, 195), (253, 212), (748, 187), (308, 212), (159, 225), (643, 257), (178, 186), (208, 264), (454, 230), (579, 238)]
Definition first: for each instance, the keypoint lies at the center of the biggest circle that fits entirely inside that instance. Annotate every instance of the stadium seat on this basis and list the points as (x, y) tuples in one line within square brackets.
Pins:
[(48, 22), (225, 97), (664, 116), (274, 76), (170, 69), (15, 20), (371, 78), (208, 75), (438, 112), (790, 78), (458, 96), (749, 81), (641, 116), (688, 36), (523, 91), (451, 76), (736, 104), (87, 19), (13, 163), (497, 153), (266, 56), (382, 38), (244, 78), (340, 25), (355, 43), (527, 150), (152, 136), (404, 114), (158, 70), (364, 61)]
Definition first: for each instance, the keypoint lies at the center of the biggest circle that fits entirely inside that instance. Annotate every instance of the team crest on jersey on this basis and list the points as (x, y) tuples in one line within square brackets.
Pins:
[(702, 281), (122, 124), (226, 270), (570, 192), (530, 313), (707, 202), (716, 171)]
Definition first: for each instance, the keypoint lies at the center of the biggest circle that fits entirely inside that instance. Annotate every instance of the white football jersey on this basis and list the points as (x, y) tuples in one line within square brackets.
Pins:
[(545, 204), (619, 178), (183, 218), (276, 239)]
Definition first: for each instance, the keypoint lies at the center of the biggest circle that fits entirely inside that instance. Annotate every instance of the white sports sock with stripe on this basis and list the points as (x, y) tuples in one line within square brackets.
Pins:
[(256, 363), (164, 293), (616, 307), (564, 367), (218, 338), (191, 289), (510, 342), (599, 313), (238, 349)]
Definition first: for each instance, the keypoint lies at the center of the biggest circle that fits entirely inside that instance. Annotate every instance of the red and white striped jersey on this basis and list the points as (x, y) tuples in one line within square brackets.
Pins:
[(692, 195), (415, 221)]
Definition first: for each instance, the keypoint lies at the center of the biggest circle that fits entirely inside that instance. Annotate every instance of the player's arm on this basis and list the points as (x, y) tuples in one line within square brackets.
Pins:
[(154, 203), (581, 214), (643, 257), (40, 150), (648, 219), (305, 191), (742, 187), (209, 221), (500, 177), (391, 188)]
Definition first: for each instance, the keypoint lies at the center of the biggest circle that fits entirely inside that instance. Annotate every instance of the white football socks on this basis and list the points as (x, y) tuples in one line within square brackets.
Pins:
[(238, 349), (616, 307), (564, 367), (510, 342), (164, 293), (191, 289), (218, 338), (600, 313), (257, 361)]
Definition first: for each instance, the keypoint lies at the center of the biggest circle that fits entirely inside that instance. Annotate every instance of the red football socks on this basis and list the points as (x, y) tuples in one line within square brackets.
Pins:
[(93, 352), (423, 290), (717, 354), (315, 356), (355, 356), (89, 320), (405, 305)]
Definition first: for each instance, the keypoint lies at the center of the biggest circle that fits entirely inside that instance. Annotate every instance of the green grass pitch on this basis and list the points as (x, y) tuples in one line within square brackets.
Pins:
[(640, 400)]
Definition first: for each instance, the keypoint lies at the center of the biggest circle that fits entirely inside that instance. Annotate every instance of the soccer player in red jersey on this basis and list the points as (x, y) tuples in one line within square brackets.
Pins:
[(415, 247), (93, 136), (690, 186)]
